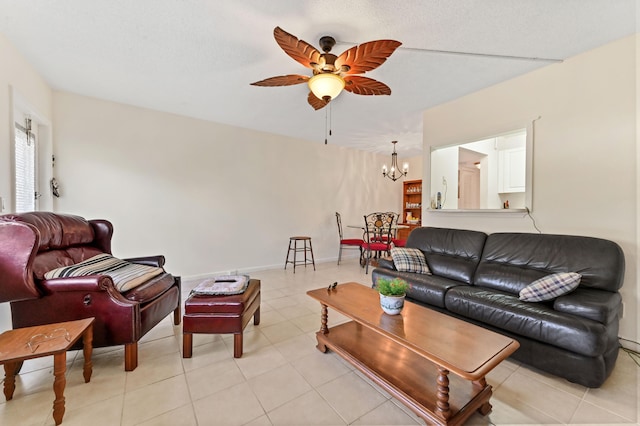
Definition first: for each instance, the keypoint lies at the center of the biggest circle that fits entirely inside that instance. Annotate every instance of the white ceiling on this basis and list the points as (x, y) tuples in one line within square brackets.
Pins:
[(197, 57)]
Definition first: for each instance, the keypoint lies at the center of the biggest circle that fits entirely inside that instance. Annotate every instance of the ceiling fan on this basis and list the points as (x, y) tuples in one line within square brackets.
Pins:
[(331, 73)]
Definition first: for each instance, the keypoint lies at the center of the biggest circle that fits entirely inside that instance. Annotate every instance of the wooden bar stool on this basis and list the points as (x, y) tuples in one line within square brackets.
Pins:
[(293, 247)]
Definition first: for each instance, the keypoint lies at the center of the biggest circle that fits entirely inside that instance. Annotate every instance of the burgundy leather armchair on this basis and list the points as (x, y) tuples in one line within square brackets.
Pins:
[(32, 244)]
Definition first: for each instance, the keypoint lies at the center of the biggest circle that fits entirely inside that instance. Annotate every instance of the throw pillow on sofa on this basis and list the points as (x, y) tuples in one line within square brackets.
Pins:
[(125, 275), (409, 260), (550, 287)]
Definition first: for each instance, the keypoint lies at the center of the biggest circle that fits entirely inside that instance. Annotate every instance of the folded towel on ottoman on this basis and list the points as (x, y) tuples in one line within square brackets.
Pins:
[(222, 285)]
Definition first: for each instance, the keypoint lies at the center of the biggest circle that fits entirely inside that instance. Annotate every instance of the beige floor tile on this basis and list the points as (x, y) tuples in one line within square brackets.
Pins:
[(297, 347), (309, 409), (254, 363), (590, 414), (161, 368), (209, 353), (181, 416), (233, 406), (260, 421), (522, 388), (155, 399), (386, 414), (28, 410), (278, 386), (318, 368), (107, 381), (213, 378), (281, 331), (270, 317), (308, 323), (351, 396), (105, 412), (511, 411)]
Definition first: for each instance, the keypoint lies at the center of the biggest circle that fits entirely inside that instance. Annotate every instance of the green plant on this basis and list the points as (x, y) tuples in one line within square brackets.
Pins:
[(394, 287)]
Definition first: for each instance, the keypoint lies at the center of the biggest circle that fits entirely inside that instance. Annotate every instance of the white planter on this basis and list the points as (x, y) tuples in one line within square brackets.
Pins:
[(391, 305)]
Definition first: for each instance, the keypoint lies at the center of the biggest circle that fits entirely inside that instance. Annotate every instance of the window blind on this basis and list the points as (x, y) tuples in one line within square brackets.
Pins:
[(25, 170)]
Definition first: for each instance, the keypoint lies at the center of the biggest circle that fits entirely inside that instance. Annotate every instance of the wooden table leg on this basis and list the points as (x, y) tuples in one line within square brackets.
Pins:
[(59, 382), (87, 351), (486, 407), (442, 408), (9, 379), (324, 315)]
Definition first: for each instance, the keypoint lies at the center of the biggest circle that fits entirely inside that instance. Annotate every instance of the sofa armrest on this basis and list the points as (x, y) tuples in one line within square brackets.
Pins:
[(387, 263), (88, 283), (597, 305), (157, 261)]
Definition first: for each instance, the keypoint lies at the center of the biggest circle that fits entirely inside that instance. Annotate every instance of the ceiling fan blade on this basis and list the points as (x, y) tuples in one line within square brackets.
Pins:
[(282, 80), (365, 86), (315, 102), (367, 56), (299, 50)]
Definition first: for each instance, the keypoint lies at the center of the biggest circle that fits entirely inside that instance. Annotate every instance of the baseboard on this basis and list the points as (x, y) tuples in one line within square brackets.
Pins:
[(629, 344)]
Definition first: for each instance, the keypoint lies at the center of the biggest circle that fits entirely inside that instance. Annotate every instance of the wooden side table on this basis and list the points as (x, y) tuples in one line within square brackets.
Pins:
[(26, 343)]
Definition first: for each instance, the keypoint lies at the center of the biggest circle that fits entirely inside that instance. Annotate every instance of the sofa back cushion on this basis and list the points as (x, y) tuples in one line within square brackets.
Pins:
[(63, 239), (450, 253), (512, 261)]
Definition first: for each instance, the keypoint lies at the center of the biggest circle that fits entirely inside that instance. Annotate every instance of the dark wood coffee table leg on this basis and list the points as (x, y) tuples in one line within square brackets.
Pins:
[(59, 382), (237, 345), (443, 410), (187, 344), (10, 369), (256, 317)]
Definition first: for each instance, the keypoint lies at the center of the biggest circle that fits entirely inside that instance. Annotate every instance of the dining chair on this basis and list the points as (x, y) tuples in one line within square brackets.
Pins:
[(347, 243), (397, 242), (377, 235)]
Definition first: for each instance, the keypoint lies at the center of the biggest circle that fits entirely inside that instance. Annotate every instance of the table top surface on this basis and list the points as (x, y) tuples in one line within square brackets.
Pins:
[(463, 348), (41, 340)]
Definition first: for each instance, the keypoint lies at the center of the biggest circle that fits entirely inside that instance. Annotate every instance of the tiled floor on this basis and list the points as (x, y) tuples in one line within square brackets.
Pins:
[(283, 379)]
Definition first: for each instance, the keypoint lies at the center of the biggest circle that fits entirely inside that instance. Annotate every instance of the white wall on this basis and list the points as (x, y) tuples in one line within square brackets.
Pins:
[(212, 198), (585, 154)]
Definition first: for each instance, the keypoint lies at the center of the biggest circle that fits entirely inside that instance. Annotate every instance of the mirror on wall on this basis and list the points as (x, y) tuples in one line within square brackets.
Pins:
[(488, 174)]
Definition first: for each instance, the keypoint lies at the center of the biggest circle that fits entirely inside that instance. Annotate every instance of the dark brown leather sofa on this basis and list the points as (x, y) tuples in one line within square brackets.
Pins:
[(32, 244), (478, 277)]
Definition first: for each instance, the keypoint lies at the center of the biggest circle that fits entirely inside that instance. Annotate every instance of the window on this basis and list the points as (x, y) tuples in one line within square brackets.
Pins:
[(25, 168)]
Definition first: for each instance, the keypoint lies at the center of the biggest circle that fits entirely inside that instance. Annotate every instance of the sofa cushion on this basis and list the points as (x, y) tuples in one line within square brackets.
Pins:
[(512, 261), (550, 286), (450, 253), (537, 321), (150, 289), (124, 275), (409, 260), (424, 288)]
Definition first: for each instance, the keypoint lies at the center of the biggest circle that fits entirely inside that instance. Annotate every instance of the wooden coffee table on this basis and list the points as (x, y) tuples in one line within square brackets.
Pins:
[(411, 355), (22, 344)]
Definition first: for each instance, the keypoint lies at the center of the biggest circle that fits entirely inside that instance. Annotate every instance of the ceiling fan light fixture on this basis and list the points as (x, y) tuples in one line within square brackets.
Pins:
[(326, 84)]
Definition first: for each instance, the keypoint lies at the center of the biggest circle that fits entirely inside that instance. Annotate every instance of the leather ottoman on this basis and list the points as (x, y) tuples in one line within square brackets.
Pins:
[(220, 314)]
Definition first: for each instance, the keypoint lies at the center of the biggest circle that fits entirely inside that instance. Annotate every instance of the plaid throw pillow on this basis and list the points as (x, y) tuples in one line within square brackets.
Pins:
[(550, 287), (409, 260)]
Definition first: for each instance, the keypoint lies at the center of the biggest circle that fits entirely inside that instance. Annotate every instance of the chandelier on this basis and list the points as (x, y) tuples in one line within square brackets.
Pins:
[(391, 174)]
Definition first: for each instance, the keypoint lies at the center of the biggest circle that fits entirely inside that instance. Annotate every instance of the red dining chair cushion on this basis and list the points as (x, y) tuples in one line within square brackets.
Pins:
[(399, 243), (352, 242)]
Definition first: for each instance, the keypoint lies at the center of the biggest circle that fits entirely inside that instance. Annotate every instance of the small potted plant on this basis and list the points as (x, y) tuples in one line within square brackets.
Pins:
[(392, 292)]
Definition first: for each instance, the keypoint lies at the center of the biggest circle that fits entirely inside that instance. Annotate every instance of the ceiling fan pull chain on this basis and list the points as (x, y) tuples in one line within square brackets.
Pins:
[(330, 118), (325, 126)]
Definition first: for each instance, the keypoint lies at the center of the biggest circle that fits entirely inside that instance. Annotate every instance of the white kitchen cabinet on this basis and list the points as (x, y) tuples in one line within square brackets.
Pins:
[(511, 170)]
